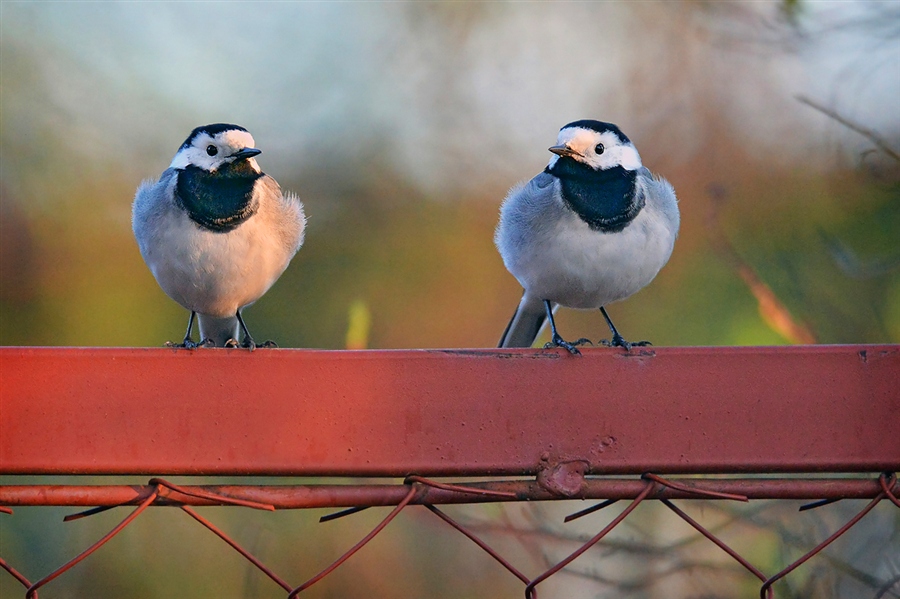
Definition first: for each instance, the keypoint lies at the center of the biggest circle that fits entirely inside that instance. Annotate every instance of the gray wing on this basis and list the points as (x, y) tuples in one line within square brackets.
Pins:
[(152, 202), (660, 196), (288, 217), (529, 211)]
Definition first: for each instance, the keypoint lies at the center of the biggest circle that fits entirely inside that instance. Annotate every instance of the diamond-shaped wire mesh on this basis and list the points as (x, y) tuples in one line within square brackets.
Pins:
[(660, 564)]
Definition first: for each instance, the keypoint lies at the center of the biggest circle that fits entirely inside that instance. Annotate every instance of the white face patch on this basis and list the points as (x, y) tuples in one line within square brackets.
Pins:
[(225, 143), (584, 141)]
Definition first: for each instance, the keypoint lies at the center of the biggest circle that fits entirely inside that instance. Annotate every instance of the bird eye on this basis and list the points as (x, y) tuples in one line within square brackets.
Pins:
[(599, 148), (212, 150)]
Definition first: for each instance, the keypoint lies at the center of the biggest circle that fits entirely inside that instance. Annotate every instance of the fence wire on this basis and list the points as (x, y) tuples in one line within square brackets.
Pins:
[(564, 483)]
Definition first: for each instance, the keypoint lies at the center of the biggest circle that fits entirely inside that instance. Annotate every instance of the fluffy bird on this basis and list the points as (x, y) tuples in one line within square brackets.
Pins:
[(591, 229), (216, 231)]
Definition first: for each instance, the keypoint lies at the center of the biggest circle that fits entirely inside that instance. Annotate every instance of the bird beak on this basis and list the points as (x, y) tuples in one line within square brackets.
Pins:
[(565, 151), (246, 153)]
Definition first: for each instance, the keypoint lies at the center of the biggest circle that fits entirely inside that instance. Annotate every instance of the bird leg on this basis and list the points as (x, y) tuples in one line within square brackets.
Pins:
[(187, 343), (617, 339), (248, 340), (556, 340)]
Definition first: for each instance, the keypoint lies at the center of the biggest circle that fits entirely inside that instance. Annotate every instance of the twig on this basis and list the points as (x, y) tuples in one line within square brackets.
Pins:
[(775, 314), (867, 133)]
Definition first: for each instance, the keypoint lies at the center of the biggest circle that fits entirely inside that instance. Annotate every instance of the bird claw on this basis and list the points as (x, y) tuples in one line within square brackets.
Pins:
[(186, 344), (619, 341), (558, 341), (250, 344)]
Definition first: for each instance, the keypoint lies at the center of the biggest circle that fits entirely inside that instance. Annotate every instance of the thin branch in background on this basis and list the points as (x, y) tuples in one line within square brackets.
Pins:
[(654, 577), (849, 262), (887, 586), (872, 136), (771, 309)]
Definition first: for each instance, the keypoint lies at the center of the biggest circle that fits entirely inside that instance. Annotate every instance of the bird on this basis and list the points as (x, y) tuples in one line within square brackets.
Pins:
[(593, 228), (216, 231)]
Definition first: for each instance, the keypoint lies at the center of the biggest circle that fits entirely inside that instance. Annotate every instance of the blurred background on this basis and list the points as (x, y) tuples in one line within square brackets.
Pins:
[(402, 126)]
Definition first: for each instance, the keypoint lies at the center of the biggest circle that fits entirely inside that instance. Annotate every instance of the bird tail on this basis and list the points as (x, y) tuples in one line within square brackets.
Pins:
[(218, 330), (526, 323)]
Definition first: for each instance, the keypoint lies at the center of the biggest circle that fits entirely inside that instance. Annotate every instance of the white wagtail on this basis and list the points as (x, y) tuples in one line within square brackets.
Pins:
[(216, 231), (593, 228)]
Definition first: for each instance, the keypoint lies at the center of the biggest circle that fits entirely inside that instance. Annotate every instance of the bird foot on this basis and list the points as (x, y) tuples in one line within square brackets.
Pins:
[(189, 344), (558, 341), (249, 343), (619, 341)]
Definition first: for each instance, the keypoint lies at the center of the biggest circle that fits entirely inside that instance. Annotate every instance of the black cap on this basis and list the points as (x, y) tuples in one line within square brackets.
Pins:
[(599, 127), (211, 130)]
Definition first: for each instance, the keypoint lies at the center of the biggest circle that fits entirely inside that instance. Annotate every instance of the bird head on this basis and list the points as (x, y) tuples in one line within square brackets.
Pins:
[(594, 144), (211, 146)]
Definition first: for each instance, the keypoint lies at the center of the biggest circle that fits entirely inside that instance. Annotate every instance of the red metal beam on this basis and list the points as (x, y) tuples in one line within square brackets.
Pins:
[(448, 412)]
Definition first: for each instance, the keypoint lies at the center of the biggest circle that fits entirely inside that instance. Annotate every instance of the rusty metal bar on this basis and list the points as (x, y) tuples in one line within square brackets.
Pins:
[(321, 496), (448, 412)]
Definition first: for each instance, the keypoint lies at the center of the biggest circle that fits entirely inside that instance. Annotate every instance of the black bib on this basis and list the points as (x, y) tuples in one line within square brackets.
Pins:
[(221, 200), (607, 200)]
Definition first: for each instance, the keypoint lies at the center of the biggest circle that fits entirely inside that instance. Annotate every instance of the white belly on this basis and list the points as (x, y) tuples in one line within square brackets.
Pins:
[(216, 273), (581, 268)]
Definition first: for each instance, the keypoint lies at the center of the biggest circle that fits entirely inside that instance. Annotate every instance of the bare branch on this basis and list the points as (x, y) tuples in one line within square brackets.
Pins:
[(872, 136)]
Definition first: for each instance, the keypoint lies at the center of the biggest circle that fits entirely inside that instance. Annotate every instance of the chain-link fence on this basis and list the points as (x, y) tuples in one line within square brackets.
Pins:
[(429, 494)]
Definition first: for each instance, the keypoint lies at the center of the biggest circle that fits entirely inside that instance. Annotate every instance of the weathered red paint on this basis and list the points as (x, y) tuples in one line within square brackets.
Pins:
[(448, 412)]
